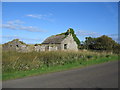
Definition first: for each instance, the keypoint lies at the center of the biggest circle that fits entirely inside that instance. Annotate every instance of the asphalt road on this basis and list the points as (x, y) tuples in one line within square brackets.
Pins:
[(97, 76)]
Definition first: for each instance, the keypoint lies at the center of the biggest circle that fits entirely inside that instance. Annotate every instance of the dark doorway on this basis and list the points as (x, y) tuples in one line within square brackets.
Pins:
[(17, 46), (65, 46), (47, 48)]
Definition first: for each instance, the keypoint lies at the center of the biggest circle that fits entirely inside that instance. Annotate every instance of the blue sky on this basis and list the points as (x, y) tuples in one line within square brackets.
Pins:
[(33, 22)]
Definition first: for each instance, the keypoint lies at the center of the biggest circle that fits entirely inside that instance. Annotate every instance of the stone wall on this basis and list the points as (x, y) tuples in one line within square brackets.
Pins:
[(46, 47), (53, 47), (13, 46), (16, 45), (40, 48), (70, 43)]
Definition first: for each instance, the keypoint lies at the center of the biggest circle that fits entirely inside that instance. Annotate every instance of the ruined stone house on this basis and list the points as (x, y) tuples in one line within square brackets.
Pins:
[(58, 42), (15, 45)]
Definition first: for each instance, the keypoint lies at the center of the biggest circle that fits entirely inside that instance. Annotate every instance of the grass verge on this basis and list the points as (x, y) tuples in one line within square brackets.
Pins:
[(77, 64)]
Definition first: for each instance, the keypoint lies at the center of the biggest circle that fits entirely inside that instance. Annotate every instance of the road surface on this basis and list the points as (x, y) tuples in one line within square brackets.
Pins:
[(97, 76)]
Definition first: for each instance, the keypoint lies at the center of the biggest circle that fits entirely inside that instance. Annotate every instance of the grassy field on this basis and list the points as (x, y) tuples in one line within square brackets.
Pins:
[(18, 65)]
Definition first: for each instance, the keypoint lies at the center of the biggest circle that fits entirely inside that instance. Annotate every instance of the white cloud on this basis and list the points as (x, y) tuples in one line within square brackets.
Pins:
[(36, 16), (17, 25), (18, 37), (15, 22), (113, 35), (86, 33), (41, 16), (9, 26)]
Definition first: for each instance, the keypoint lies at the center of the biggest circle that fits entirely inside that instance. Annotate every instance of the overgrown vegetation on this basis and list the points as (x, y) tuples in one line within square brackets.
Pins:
[(71, 31), (74, 36), (33, 63)]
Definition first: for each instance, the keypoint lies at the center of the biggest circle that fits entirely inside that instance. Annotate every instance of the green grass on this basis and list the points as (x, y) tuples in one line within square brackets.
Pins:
[(15, 65)]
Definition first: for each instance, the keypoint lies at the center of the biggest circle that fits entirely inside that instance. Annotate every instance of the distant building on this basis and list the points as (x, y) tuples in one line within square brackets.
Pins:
[(15, 45)]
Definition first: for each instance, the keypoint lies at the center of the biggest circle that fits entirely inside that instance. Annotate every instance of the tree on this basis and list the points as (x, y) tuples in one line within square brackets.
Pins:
[(116, 48), (89, 42), (104, 43), (101, 43)]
